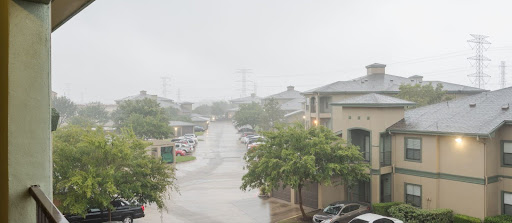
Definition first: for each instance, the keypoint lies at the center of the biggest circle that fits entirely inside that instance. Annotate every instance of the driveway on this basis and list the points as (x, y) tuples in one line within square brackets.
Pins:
[(209, 186)]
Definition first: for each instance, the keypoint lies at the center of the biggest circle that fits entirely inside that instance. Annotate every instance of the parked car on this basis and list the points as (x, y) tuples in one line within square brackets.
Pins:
[(184, 147), (341, 211), (176, 140), (124, 212), (191, 142), (198, 129), (374, 218), (245, 138), (253, 145), (180, 152), (244, 134), (190, 136), (253, 139)]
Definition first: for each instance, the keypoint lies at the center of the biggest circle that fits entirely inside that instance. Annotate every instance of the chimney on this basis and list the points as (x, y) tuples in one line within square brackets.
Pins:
[(376, 68), (143, 92), (416, 79), (290, 88)]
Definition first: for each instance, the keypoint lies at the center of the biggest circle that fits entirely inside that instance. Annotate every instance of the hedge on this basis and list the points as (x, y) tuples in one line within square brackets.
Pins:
[(410, 214), (498, 219), (382, 208), (460, 218)]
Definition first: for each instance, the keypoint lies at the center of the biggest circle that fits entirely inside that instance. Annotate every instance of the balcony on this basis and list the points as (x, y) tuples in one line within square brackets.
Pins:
[(46, 212)]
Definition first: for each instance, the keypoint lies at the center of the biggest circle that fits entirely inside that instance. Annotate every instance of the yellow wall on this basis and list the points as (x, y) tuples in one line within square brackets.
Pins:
[(428, 189), (29, 148), (4, 61), (462, 198), (331, 193)]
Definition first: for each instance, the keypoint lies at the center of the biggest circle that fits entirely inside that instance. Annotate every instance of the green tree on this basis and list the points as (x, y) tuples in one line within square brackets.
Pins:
[(219, 108), (90, 115), (174, 115), (92, 168), (294, 156), (65, 107), (272, 114), (203, 110), (248, 114), (145, 117), (423, 94)]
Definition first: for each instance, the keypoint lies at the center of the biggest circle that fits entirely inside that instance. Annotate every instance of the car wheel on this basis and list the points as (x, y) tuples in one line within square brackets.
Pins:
[(128, 219), (179, 154)]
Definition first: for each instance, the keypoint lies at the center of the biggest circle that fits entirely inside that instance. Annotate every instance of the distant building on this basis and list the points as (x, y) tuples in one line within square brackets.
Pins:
[(181, 128), (184, 108)]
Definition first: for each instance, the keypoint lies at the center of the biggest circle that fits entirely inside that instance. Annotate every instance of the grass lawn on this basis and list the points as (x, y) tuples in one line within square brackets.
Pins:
[(180, 159), (298, 219), (199, 133)]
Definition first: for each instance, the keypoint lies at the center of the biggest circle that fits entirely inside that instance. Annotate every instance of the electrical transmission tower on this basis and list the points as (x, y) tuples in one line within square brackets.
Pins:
[(244, 73), (479, 44), (503, 80), (165, 84)]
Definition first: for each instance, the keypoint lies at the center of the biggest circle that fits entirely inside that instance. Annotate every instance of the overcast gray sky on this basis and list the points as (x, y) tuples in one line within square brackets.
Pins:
[(115, 48)]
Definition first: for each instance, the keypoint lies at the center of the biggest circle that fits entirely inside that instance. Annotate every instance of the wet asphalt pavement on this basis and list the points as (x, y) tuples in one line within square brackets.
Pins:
[(210, 186)]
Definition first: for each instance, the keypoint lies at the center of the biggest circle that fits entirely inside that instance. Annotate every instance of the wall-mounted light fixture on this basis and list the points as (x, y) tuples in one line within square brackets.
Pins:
[(458, 140)]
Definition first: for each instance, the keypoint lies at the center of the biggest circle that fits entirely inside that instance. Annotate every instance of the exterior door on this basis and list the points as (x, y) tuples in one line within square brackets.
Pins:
[(167, 154), (309, 195), (360, 192), (385, 188), (282, 194)]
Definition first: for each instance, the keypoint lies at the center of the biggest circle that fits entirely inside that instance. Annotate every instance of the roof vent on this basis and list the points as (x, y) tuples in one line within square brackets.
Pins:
[(472, 105), (505, 107)]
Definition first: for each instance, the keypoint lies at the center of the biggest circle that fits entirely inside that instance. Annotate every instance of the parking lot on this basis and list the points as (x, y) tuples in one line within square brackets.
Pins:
[(209, 186)]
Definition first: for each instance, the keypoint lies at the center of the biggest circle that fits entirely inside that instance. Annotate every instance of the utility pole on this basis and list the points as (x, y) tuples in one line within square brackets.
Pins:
[(503, 81), (244, 73), (165, 84), (479, 44)]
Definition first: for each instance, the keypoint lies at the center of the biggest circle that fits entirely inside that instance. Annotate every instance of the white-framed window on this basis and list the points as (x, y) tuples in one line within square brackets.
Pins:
[(506, 153), (413, 195), (507, 203), (413, 149)]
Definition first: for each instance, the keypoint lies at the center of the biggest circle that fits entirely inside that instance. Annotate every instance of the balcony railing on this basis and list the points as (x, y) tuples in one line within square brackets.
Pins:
[(46, 212)]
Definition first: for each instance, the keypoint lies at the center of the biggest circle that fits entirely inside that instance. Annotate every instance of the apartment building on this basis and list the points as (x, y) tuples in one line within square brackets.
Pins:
[(455, 154), (318, 109)]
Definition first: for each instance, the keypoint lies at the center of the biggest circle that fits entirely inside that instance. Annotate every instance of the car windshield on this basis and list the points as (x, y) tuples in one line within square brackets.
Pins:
[(332, 209)]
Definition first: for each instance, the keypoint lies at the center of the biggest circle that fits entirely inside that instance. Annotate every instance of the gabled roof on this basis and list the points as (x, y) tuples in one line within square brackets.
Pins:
[(293, 105), (386, 83), (199, 119), (164, 102), (374, 100), (246, 100), (294, 113), (476, 115), (290, 93)]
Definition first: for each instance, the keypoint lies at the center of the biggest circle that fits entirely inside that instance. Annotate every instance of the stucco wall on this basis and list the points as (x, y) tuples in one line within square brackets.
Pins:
[(462, 198), (29, 106)]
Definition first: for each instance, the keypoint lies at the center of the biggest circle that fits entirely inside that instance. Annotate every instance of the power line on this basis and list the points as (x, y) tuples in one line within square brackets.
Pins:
[(479, 44), (503, 81)]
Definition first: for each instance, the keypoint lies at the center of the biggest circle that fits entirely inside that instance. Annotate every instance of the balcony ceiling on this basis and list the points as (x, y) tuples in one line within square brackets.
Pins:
[(63, 10)]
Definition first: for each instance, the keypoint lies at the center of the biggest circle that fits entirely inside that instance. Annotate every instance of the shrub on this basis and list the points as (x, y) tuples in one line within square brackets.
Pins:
[(460, 218), (498, 219), (382, 208), (410, 214)]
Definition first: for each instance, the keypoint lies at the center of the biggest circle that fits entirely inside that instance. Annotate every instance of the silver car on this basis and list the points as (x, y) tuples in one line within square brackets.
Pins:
[(340, 212)]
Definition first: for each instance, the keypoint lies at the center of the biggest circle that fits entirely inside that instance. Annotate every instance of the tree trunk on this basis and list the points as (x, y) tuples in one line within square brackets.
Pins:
[(304, 216), (109, 215)]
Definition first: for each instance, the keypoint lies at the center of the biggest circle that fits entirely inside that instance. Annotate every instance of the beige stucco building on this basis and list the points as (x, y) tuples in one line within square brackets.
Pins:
[(455, 154), (318, 110)]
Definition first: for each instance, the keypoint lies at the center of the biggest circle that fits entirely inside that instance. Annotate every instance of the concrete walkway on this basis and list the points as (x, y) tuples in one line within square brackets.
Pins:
[(210, 186)]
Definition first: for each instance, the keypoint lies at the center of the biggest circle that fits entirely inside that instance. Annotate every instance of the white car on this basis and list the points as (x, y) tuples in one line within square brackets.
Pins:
[(183, 147), (374, 218)]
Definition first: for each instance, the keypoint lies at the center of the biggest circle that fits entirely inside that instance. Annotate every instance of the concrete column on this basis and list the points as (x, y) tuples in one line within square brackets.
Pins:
[(29, 150)]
